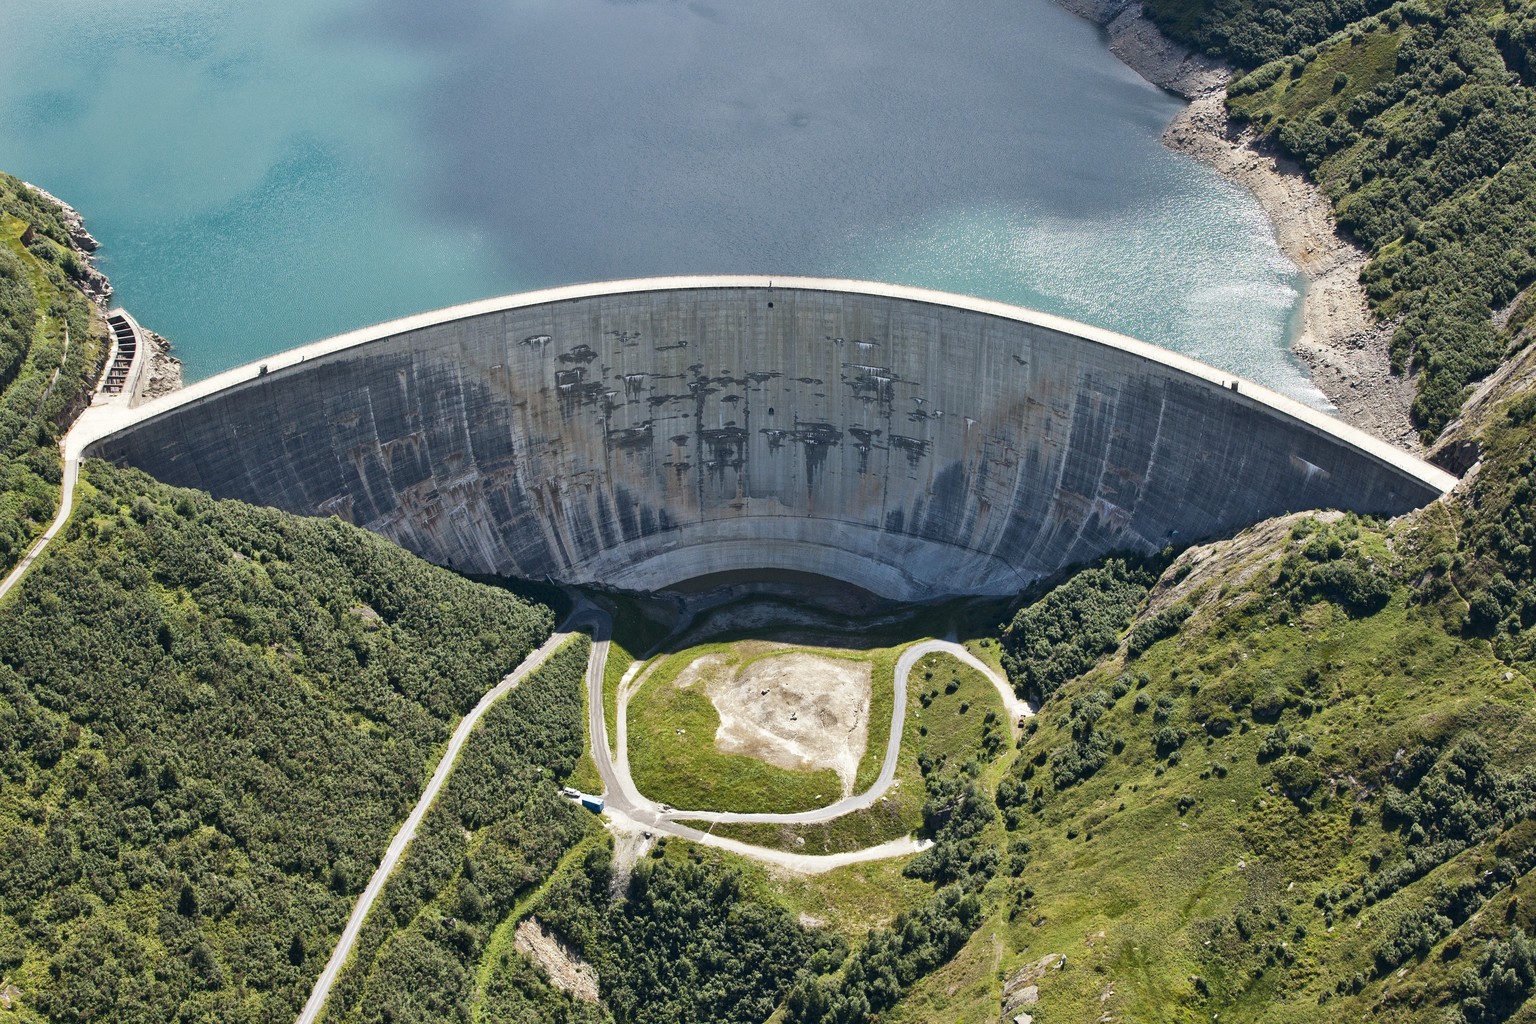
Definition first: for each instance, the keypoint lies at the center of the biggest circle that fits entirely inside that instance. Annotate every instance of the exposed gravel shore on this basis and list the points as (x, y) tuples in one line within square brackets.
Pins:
[(1342, 342)]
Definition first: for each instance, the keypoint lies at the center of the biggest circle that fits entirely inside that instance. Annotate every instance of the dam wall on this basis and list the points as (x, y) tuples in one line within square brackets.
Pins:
[(643, 433)]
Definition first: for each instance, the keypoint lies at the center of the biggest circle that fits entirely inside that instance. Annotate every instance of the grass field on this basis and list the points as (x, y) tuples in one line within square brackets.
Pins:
[(849, 900), (899, 814), (635, 633), (952, 709), (584, 776), (619, 660), (674, 760), (962, 708)]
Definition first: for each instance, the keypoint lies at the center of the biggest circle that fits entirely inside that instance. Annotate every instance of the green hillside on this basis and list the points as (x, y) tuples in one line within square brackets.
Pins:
[(439, 946), (52, 342), (212, 718), (1418, 119), (1317, 797), (1296, 779)]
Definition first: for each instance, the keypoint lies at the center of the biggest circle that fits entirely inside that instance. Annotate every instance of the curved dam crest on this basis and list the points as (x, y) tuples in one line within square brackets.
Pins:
[(638, 434)]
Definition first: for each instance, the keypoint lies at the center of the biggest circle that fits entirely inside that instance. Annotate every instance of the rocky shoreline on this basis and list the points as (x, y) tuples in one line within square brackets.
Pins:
[(1342, 343), (93, 282), (163, 375)]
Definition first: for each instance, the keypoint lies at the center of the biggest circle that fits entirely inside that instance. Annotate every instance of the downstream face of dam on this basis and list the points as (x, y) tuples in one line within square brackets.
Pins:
[(642, 434)]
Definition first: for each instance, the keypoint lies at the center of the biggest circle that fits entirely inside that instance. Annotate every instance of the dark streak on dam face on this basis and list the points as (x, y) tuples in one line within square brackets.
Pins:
[(641, 434)]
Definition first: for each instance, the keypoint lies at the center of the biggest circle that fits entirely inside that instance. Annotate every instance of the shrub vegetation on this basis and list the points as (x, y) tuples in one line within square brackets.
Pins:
[(212, 718), (52, 342), (1418, 120), (437, 947)]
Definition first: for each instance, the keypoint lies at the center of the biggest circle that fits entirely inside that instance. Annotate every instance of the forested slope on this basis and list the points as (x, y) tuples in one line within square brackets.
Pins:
[(1418, 119), (212, 718), (438, 946), (1285, 777)]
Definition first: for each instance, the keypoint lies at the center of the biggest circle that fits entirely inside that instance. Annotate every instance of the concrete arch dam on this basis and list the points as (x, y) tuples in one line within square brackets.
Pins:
[(642, 433)]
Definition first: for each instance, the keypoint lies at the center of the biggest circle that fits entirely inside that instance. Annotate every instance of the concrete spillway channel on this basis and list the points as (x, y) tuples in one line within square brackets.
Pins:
[(125, 346), (642, 433)]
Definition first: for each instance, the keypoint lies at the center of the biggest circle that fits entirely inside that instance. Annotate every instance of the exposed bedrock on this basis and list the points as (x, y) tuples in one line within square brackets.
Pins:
[(644, 433)]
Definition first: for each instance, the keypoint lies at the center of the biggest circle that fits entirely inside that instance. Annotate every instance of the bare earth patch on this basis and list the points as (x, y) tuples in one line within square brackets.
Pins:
[(706, 668), (566, 970), (630, 843), (799, 711)]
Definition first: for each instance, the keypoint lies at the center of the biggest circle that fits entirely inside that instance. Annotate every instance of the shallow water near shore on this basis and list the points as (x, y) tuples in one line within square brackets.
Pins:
[(261, 177)]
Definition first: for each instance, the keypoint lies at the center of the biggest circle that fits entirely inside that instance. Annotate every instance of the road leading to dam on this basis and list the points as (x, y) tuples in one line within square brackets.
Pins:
[(643, 809), (402, 839), (625, 799), (625, 806)]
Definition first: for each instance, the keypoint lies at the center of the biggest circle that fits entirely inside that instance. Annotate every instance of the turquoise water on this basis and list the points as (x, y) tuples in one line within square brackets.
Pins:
[(266, 175)]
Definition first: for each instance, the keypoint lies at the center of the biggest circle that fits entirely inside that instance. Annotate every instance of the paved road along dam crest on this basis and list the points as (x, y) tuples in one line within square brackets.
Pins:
[(642, 433)]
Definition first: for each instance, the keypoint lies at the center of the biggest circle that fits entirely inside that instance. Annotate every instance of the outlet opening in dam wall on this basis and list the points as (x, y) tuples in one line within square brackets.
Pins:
[(642, 434)]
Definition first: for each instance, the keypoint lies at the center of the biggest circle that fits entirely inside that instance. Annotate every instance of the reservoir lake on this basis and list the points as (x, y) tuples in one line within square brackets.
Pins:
[(262, 175)]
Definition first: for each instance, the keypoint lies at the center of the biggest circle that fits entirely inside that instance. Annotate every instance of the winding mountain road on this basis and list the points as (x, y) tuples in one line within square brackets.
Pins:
[(625, 800), (66, 506), (105, 411), (625, 806)]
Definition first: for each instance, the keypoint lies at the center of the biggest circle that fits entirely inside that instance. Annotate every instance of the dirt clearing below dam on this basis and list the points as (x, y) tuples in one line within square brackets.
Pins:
[(795, 710)]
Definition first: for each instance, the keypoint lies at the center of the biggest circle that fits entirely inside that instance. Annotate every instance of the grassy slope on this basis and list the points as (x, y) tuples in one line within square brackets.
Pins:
[(584, 776), (850, 900), (42, 381), (957, 709), (635, 634), (1229, 874), (620, 658)]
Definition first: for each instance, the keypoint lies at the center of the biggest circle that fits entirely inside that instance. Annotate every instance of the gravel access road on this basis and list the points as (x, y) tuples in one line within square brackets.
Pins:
[(322, 990), (626, 802)]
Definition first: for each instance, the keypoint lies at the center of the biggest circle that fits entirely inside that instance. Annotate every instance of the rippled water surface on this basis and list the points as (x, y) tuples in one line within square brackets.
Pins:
[(266, 174)]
